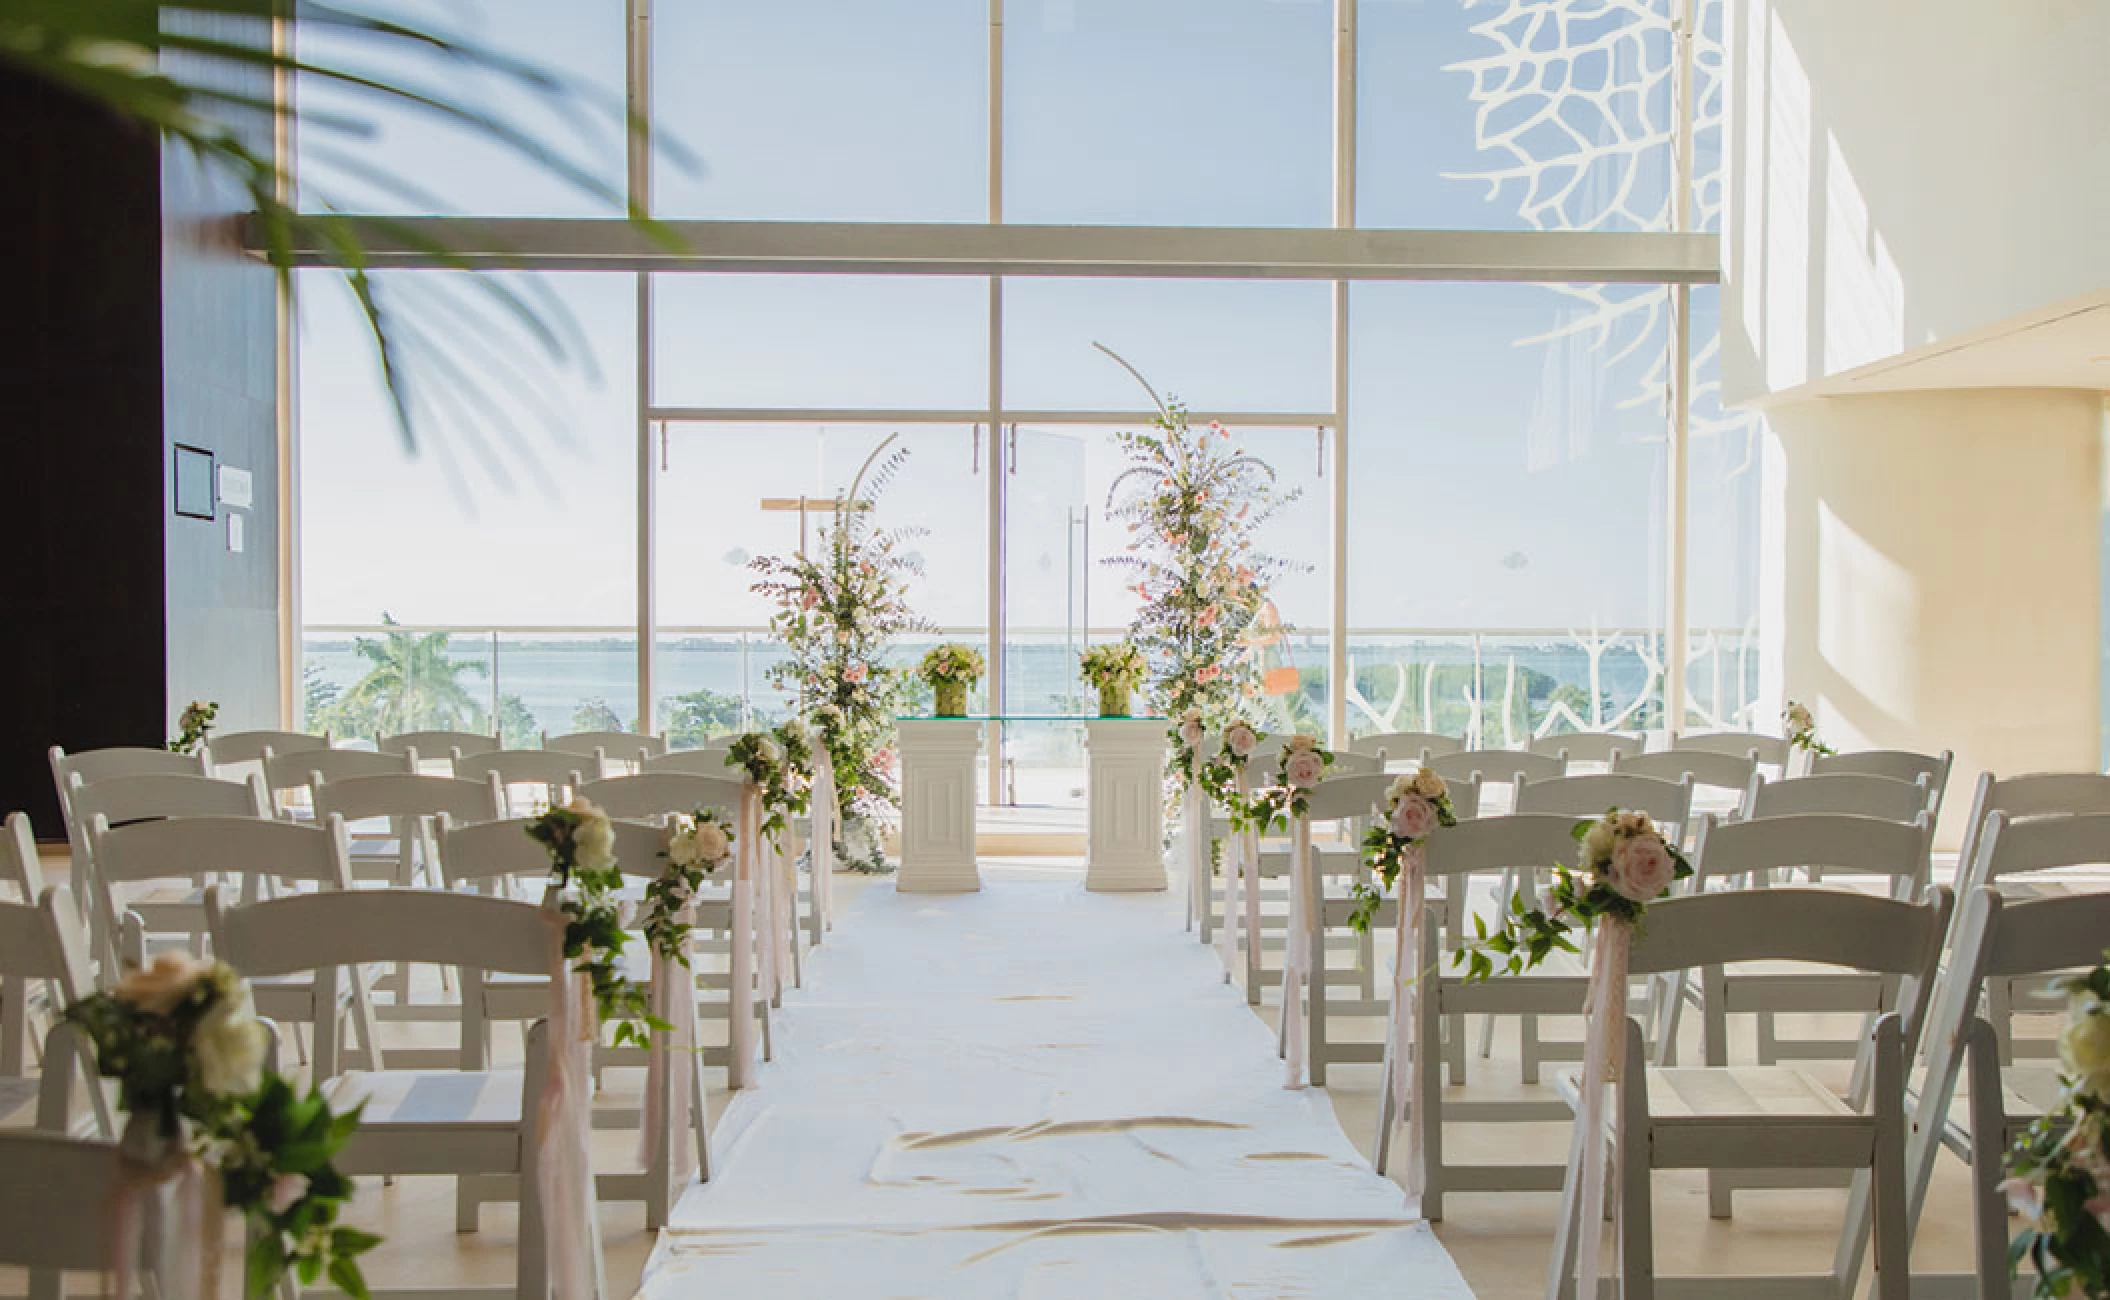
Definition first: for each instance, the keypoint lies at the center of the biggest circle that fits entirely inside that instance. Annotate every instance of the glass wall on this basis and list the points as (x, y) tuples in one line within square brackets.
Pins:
[(1504, 445)]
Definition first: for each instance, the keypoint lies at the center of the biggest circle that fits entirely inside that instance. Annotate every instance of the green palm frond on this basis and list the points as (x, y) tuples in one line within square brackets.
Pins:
[(209, 76)]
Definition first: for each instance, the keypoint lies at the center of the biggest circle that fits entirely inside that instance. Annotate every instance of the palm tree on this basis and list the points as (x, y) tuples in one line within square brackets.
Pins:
[(414, 685)]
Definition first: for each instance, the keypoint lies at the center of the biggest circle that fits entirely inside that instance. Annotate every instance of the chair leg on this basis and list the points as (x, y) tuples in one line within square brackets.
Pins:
[(1530, 1054), (1454, 1047), (1893, 1248), (1560, 1282), (1428, 1092), (1632, 1154)]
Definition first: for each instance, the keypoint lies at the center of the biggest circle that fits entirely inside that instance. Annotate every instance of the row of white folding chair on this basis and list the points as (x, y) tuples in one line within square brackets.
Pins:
[(467, 1123), (42, 944), (1777, 1117), (24, 1004)]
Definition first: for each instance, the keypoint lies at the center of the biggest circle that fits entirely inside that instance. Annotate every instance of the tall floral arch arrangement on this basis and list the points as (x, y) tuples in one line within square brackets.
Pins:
[(838, 611), (1194, 501)]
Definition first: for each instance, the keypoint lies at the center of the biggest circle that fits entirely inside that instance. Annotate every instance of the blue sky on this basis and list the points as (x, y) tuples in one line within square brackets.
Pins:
[(1522, 478)]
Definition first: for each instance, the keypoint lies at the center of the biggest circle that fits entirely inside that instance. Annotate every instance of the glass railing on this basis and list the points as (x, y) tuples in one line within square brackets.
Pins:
[(1496, 688)]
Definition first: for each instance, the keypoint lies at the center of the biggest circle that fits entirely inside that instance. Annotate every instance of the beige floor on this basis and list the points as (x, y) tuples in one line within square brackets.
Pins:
[(1499, 1240)]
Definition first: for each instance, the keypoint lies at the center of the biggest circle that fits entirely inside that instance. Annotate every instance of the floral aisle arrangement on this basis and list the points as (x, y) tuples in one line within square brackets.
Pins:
[(1800, 726), (193, 726), (1115, 670), (1223, 778), (1193, 502), (951, 670), (1302, 765), (586, 882), (1414, 806), (182, 1039), (837, 613), (697, 844), (2059, 1172), (1625, 864), (780, 763)]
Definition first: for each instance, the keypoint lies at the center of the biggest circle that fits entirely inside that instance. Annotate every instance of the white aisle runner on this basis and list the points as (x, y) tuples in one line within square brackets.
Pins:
[(1033, 1092)]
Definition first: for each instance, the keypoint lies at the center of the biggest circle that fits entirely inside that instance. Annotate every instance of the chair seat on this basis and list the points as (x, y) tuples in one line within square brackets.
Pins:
[(1749, 1116), (415, 1099), (2027, 1093), (18, 1102)]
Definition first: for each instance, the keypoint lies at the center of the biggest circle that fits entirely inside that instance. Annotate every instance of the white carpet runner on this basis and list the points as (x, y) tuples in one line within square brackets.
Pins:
[(1033, 1092)]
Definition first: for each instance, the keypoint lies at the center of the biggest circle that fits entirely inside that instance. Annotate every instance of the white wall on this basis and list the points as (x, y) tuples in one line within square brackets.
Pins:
[(1901, 171), (1935, 574)]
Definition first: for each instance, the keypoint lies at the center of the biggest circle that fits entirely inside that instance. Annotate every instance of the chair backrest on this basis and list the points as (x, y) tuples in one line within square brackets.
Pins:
[(1498, 843), (2038, 794), (2012, 845), (1593, 794), (1771, 750), (306, 932), (93, 766), (42, 940), (410, 794), (1348, 762), (501, 850), (1840, 792), (1589, 746), (247, 846), (656, 794), (300, 770), (1722, 771), (1897, 764), (138, 798), (19, 864), (617, 746), (252, 746), (1873, 846), (1497, 766), (439, 744), (521, 766), (1407, 746), (708, 761), (1348, 795), (55, 1200)]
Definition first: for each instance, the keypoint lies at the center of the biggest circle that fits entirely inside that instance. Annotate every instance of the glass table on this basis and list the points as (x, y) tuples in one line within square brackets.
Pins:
[(1124, 800)]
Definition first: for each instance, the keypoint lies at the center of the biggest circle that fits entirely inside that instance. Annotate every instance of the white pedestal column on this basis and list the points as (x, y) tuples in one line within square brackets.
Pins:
[(1125, 766), (937, 806)]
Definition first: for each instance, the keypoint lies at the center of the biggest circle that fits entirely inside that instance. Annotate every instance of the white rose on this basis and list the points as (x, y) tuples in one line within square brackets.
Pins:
[(1429, 785), (711, 843), (1241, 740), (1401, 787), (2084, 1046), (593, 844), (229, 1045), (681, 844), (1301, 743), (1597, 845), (770, 750), (286, 1191)]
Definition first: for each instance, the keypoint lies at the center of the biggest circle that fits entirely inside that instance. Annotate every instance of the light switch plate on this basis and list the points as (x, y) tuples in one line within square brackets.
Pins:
[(235, 538)]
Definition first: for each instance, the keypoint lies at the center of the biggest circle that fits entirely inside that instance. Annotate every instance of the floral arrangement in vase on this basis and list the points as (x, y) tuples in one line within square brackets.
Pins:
[(837, 614), (2059, 1172), (182, 1039), (1415, 805), (1800, 725), (1115, 670), (193, 726), (1193, 503), (951, 670), (587, 885)]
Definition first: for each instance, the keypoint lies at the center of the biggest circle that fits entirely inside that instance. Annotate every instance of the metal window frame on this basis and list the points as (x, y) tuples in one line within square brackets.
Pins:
[(1341, 255)]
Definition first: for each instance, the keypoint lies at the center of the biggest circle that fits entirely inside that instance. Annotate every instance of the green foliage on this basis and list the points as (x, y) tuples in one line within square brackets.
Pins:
[(517, 727), (593, 714), (691, 719), (194, 726), (586, 883), (411, 684), (2059, 1169)]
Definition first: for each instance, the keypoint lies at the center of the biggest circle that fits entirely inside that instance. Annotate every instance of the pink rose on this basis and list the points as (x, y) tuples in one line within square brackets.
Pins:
[(286, 1191), (1191, 732), (1303, 769), (1208, 673), (1413, 817), (854, 674), (1642, 868), (1241, 740)]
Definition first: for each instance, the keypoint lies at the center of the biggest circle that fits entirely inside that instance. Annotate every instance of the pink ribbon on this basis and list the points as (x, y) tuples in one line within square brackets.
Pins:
[(1605, 1014), (822, 863), (745, 866), (1403, 1045), (566, 1169), (1296, 950), (670, 1063), (188, 1249), (1194, 812), (1236, 880)]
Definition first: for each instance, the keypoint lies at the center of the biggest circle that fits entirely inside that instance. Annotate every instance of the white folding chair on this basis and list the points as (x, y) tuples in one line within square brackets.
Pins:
[(1497, 766), (70, 772), (1897, 853), (1484, 847), (1404, 746), (2039, 794), (1720, 781), (707, 761), (542, 776), (463, 1123), (1758, 1117), (1589, 746), (165, 910), (290, 779), (254, 856), (1999, 939), (1771, 751), (1852, 794), (1897, 764), (613, 752), (42, 942), (1351, 801), (21, 1002), (493, 854), (438, 748), (55, 1208), (2009, 846), (225, 749)]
